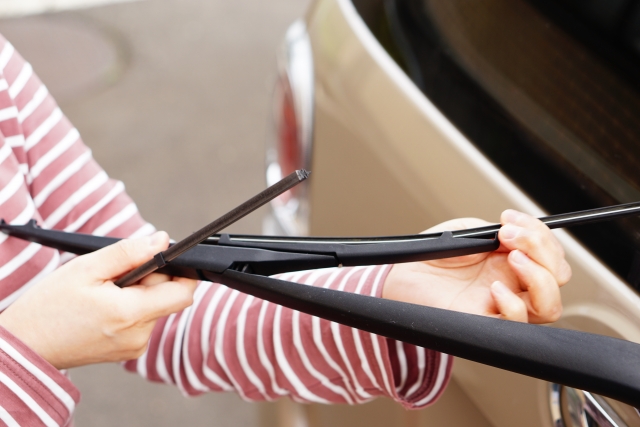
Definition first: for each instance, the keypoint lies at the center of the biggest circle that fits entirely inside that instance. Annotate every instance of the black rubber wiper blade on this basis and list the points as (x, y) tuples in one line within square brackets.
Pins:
[(596, 363)]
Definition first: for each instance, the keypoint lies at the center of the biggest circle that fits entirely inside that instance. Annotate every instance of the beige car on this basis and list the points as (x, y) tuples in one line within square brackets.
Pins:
[(411, 112)]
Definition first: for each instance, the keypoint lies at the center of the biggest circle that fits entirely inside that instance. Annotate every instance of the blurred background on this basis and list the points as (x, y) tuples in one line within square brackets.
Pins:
[(173, 98)]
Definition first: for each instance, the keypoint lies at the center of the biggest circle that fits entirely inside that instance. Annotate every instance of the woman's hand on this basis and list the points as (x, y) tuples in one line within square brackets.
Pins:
[(77, 316), (520, 281)]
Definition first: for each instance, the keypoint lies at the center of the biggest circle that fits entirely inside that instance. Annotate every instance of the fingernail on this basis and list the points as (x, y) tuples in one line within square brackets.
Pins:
[(519, 257), (509, 231), (511, 216)]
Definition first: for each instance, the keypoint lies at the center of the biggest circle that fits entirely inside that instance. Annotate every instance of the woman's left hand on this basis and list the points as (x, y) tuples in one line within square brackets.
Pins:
[(520, 281)]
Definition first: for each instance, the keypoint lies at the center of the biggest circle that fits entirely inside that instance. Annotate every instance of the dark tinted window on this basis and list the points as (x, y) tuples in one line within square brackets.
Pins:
[(548, 90)]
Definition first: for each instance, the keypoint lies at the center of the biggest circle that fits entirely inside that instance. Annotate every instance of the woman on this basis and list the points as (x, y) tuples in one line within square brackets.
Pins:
[(207, 337)]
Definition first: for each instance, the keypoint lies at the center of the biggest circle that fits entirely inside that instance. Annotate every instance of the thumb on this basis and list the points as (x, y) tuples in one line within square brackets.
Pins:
[(123, 256)]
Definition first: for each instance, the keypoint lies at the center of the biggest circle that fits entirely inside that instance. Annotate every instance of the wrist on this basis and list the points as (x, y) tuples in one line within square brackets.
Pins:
[(25, 332)]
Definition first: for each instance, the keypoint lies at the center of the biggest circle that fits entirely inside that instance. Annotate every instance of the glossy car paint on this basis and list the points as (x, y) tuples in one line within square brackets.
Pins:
[(386, 161)]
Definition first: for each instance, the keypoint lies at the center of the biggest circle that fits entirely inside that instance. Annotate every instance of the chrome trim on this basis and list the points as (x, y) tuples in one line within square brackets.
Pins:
[(295, 62), (587, 409), (601, 410), (296, 58), (337, 241), (554, 405)]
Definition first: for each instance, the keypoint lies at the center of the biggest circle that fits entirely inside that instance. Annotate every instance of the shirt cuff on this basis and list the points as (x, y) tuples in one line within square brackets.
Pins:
[(31, 388), (420, 375)]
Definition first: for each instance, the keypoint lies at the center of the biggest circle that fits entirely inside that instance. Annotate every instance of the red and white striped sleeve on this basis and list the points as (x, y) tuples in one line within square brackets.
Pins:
[(41, 159), (70, 190), (231, 341), (32, 392), (226, 340)]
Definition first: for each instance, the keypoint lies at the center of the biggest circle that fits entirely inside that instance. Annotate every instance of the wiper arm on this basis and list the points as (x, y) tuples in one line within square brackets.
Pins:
[(283, 254), (600, 364)]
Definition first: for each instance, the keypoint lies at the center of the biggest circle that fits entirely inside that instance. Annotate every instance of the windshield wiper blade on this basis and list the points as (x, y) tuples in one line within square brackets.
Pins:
[(596, 363), (271, 255), (352, 251)]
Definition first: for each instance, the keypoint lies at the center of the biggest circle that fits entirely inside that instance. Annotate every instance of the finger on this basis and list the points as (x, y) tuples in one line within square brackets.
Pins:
[(529, 235), (524, 220), (458, 224), (123, 256), (544, 303), (154, 279), (163, 298), (509, 305)]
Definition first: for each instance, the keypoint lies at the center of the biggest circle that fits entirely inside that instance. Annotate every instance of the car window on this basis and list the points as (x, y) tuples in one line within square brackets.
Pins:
[(548, 90)]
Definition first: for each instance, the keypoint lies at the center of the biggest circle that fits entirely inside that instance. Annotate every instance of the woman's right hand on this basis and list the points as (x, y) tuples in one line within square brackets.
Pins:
[(77, 316)]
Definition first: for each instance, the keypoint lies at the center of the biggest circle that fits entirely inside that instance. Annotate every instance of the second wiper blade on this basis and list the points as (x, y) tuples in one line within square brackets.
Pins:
[(271, 255), (489, 231)]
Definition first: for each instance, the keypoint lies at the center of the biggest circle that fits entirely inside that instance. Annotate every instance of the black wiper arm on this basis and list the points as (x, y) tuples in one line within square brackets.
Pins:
[(212, 258), (75, 243), (418, 247), (272, 259), (282, 254), (388, 251)]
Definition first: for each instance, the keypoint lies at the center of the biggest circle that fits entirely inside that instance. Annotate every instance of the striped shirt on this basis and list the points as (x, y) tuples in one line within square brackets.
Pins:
[(225, 341)]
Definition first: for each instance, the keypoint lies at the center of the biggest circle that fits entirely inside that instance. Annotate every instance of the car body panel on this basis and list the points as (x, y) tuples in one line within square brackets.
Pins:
[(386, 161)]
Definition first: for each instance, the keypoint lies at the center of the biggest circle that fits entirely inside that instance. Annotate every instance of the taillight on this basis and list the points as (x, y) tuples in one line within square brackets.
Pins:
[(290, 143), (289, 149)]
